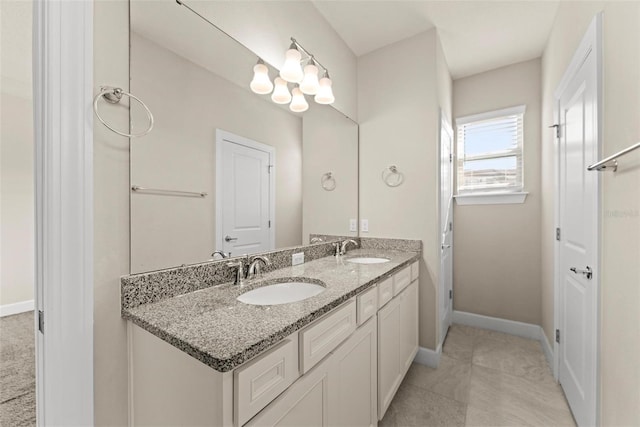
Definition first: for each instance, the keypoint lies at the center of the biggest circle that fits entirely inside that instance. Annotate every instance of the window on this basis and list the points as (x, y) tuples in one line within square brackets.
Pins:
[(490, 152)]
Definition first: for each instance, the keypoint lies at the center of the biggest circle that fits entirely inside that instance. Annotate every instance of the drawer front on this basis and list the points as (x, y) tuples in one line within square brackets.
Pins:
[(261, 380), (319, 339), (401, 280), (385, 292), (367, 305), (415, 271)]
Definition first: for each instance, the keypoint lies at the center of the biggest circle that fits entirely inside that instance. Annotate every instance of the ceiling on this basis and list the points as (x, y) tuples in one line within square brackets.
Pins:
[(476, 35)]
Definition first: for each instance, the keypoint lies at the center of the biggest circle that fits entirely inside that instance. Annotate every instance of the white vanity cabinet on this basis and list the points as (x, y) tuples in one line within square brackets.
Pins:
[(339, 391), (341, 370), (397, 337)]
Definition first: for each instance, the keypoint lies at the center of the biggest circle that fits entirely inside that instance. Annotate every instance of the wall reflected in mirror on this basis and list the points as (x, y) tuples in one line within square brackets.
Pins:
[(271, 177)]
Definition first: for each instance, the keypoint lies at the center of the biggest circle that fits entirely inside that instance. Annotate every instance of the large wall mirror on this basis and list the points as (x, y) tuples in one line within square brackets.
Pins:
[(224, 168)]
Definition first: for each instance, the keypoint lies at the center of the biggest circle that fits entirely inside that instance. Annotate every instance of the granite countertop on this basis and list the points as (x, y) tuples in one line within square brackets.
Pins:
[(215, 328)]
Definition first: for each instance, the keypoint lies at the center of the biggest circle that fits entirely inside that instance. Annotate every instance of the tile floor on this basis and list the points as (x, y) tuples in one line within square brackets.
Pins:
[(485, 378)]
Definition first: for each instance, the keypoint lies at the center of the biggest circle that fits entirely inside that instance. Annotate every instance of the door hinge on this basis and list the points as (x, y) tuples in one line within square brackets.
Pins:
[(558, 336), (269, 168), (557, 130), (269, 223), (41, 321), (450, 293), (450, 226), (558, 233), (450, 157)]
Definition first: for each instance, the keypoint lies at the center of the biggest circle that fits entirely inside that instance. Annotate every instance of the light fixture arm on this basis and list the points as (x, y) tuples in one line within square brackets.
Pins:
[(295, 43)]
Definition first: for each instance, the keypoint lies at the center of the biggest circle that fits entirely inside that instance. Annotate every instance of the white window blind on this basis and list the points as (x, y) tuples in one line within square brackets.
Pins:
[(490, 152)]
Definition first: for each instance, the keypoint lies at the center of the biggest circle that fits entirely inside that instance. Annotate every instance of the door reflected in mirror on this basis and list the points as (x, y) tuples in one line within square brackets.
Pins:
[(262, 167)]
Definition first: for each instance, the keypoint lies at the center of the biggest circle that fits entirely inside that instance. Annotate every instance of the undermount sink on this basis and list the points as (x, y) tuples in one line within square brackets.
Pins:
[(281, 293), (368, 260)]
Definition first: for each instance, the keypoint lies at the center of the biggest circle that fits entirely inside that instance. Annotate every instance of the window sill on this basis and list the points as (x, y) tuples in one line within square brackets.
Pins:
[(491, 198)]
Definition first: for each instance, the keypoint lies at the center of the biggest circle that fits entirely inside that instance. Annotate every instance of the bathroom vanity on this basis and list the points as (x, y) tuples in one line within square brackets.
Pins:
[(337, 358)]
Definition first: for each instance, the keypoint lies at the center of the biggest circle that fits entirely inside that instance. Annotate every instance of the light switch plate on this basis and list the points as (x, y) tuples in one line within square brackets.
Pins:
[(364, 225), (297, 259), (353, 225)]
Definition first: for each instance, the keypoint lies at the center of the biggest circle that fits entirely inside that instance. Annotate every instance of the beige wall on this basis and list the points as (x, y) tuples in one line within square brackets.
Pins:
[(330, 144), (16, 155), (111, 216), (620, 214), (497, 247), (170, 231), (399, 123)]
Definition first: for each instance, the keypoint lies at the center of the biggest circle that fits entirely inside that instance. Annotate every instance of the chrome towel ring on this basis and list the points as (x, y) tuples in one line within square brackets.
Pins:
[(113, 95), (328, 181), (392, 176)]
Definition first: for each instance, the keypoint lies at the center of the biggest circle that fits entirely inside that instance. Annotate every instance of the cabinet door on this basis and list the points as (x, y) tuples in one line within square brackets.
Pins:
[(353, 379), (389, 375), (305, 403), (408, 326)]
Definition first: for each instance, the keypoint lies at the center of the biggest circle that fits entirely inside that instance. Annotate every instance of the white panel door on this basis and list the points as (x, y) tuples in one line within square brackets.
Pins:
[(245, 187), (446, 227), (578, 201)]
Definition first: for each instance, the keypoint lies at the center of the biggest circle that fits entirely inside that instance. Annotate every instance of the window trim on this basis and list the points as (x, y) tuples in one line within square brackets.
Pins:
[(518, 191)]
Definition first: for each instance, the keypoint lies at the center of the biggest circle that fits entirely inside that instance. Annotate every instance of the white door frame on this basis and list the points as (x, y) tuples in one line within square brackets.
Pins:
[(63, 134), (591, 42), (221, 136)]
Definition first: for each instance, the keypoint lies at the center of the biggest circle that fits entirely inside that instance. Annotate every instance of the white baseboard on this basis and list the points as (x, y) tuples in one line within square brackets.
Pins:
[(428, 357), (525, 330), (16, 308), (546, 347)]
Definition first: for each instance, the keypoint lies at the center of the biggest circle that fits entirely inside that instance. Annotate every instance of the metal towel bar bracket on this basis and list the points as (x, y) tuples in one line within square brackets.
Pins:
[(602, 164)]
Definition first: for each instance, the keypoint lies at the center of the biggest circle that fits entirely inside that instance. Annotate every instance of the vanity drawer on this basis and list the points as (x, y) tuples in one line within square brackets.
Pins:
[(261, 380), (415, 271), (385, 292), (401, 280), (367, 304), (319, 339)]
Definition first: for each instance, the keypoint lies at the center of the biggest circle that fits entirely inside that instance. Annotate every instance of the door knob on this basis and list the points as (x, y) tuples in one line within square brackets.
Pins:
[(230, 239), (586, 272)]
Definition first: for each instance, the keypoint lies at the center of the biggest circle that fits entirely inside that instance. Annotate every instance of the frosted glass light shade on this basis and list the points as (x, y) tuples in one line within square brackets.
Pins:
[(281, 93), (309, 84), (291, 70), (298, 103), (261, 83), (325, 93)]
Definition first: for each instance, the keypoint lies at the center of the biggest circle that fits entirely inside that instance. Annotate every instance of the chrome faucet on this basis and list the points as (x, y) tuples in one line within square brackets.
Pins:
[(222, 254), (240, 274), (343, 246), (247, 269), (254, 266)]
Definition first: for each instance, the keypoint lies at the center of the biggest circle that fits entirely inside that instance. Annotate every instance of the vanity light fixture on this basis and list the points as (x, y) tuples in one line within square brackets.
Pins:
[(261, 83), (281, 93), (310, 84), (325, 93), (291, 70), (306, 82), (298, 103)]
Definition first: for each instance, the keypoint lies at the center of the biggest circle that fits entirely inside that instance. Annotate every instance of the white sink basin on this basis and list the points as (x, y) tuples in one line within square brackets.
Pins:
[(281, 293), (368, 260)]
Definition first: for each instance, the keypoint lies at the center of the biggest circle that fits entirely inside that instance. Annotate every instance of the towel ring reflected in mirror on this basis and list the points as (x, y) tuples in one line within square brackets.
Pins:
[(392, 176), (113, 95), (328, 181)]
